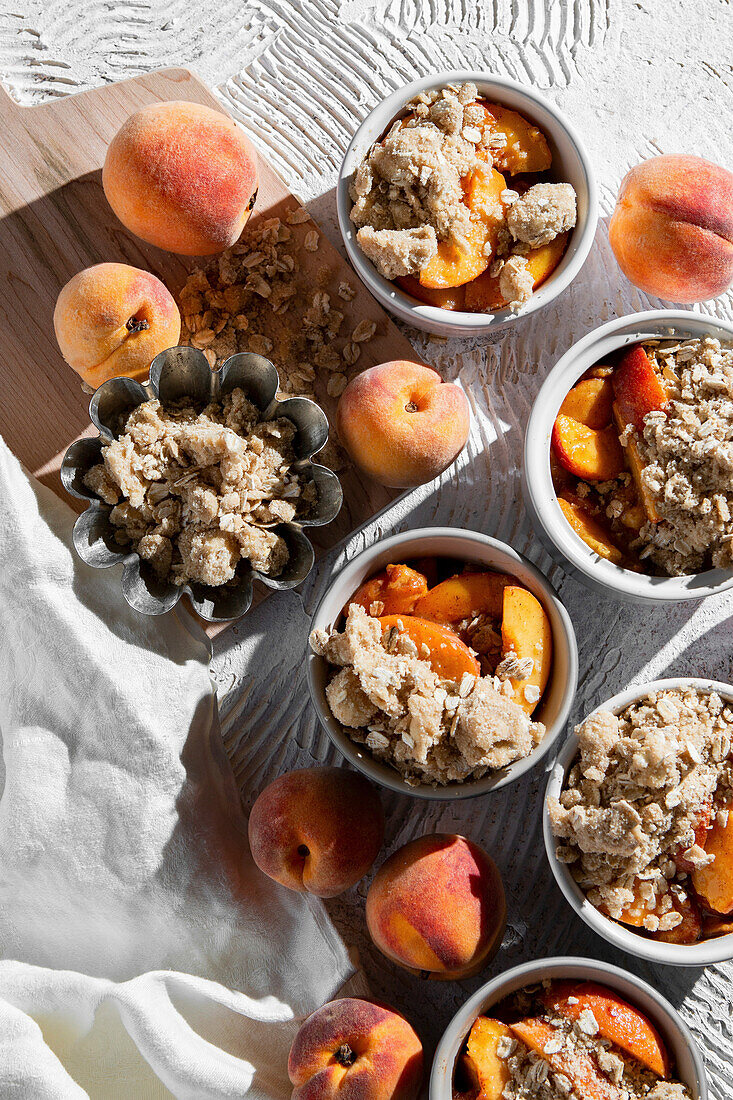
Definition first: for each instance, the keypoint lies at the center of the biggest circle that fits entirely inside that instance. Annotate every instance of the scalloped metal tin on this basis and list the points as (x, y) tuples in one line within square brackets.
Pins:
[(185, 372)]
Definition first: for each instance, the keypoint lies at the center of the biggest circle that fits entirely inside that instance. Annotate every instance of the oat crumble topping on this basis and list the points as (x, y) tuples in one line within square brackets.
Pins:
[(195, 491), (260, 296), (431, 730), (687, 453), (408, 194), (632, 799)]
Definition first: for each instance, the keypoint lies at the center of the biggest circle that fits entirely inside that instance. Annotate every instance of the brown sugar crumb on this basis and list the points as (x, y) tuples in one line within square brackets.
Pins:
[(261, 296), (196, 491), (634, 796), (430, 730), (687, 456)]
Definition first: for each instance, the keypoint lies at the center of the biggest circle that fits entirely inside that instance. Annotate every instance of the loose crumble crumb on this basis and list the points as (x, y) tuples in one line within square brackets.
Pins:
[(633, 798), (262, 296), (431, 730), (194, 491)]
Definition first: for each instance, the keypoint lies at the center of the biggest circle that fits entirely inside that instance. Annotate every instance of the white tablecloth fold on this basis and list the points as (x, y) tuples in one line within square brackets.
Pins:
[(123, 853)]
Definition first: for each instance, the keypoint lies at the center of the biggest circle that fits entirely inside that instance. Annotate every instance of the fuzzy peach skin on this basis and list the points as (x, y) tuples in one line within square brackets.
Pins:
[(112, 320), (672, 229), (437, 907), (401, 424), (356, 1050), (317, 830), (181, 176)]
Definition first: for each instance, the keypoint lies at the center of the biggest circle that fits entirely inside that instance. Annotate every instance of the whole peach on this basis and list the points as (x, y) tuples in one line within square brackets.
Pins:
[(437, 907), (317, 830), (401, 424), (112, 320), (672, 228), (355, 1050), (181, 176)]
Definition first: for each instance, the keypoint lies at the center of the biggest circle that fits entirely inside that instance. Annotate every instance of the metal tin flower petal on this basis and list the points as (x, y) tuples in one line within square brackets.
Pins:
[(185, 372)]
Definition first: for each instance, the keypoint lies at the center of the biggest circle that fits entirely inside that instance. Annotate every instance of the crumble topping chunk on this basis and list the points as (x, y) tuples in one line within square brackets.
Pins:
[(542, 213), (432, 731), (633, 798), (195, 491), (687, 455)]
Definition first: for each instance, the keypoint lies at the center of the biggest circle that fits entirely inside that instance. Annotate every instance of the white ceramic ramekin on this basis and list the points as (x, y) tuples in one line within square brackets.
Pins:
[(570, 164), (553, 529), (704, 953), (689, 1067), (468, 546)]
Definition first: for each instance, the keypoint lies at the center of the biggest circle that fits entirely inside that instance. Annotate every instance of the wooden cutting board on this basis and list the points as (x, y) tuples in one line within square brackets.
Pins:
[(55, 221)]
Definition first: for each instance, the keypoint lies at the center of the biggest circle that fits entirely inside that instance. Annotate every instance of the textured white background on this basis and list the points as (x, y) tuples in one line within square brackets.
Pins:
[(637, 77)]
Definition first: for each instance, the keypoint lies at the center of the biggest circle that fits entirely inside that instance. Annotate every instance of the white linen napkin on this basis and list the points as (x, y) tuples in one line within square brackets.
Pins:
[(123, 853)]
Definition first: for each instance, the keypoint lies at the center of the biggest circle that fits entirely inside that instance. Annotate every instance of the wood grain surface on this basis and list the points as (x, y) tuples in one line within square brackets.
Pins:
[(55, 221)]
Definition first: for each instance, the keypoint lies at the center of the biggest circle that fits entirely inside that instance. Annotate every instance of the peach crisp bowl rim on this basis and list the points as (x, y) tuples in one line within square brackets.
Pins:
[(704, 953), (664, 1016), (567, 145), (554, 531), (470, 546)]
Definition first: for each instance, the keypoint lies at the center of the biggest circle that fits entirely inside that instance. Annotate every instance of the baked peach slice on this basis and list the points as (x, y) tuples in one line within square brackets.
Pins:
[(526, 147), (714, 883), (637, 388), (452, 297), (687, 932), (589, 453), (464, 596), (526, 632), (702, 824), (448, 657), (618, 1021), (637, 392), (590, 402), (453, 266), (713, 925), (593, 534), (580, 1069), (397, 588), (483, 295), (487, 1071)]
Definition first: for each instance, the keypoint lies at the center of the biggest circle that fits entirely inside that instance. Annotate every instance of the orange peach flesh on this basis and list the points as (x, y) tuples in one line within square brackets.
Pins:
[(463, 597), (489, 1073), (111, 320), (581, 1070), (401, 424), (714, 883), (590, 402), (448, 656), (181, 176), (398, 588), (618, 1021), (590, 531), (672, 228), (588, 453), (437, 907), (526, 632)]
